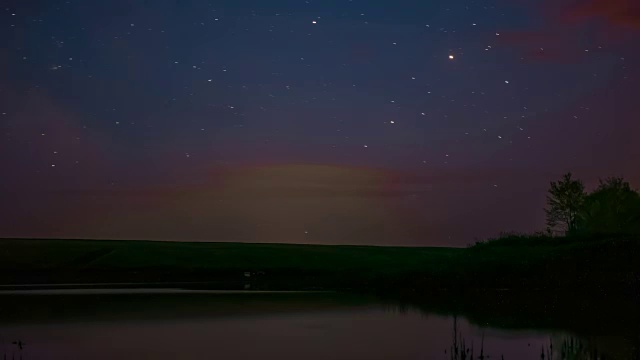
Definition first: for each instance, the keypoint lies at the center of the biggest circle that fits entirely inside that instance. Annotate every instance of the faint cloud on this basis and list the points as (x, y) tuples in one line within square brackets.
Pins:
[(625, 13), (574, 29)]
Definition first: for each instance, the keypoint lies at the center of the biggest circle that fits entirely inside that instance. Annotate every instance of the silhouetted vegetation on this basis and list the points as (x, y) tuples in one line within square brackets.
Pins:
[(564, 202), (569, 348), (613, 208)]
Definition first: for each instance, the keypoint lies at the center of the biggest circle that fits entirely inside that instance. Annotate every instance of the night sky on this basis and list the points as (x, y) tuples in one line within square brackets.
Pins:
[(427, 122)]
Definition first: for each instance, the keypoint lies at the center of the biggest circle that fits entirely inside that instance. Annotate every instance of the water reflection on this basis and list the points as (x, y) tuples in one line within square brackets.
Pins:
[(241, 325)]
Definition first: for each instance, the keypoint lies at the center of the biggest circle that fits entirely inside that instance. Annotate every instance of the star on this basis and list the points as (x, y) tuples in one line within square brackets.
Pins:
[(306, 95)]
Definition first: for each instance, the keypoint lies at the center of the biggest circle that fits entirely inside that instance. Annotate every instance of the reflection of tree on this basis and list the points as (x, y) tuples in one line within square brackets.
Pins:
[(576, 349), (400, 308)]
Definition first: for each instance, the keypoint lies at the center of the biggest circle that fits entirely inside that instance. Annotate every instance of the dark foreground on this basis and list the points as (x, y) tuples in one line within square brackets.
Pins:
[(590, 265), (585, 288)]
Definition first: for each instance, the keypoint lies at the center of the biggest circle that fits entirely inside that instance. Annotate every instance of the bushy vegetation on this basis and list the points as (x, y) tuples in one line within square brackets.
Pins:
[(610, 211), (515, 239), (613, 208)]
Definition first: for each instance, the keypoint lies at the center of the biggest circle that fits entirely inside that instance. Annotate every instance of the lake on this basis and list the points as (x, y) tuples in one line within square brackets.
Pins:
[(186, 324)]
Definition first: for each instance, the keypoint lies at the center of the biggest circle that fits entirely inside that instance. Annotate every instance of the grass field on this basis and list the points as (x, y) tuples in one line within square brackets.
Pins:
[(510, 262), (27, 254)]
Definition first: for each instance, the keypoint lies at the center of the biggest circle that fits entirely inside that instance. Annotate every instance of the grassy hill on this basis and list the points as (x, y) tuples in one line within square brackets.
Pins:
[(533, 262), (69, 260)]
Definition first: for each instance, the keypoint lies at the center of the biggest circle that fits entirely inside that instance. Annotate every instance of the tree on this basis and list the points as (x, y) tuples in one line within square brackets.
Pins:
[(564, 203), (613, 208)]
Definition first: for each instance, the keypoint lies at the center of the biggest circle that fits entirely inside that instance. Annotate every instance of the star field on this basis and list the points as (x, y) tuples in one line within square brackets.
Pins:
[(449, 117)]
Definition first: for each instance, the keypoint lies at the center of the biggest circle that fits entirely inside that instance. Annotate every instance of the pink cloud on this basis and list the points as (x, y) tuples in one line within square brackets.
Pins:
[(571, 27), (624, 13)]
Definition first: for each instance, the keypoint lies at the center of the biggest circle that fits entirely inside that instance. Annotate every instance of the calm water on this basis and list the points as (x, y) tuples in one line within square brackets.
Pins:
[(174, 324)]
